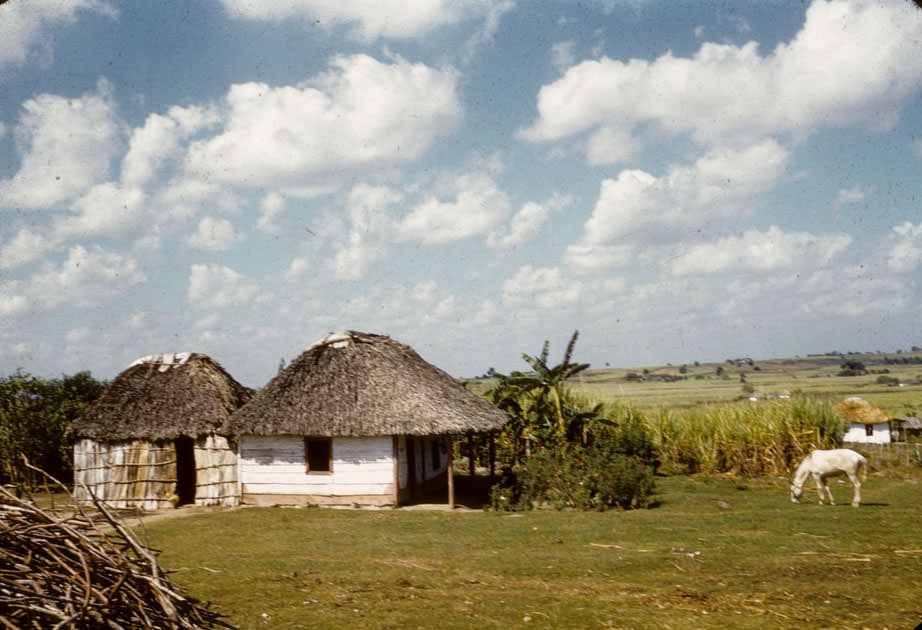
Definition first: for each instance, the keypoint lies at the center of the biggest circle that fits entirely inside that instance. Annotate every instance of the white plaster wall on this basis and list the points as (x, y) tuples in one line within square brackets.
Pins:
[(276, 465), (857, 433)]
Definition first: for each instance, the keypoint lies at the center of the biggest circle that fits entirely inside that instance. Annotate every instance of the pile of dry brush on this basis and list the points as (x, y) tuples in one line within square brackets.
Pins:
[(63, 568)]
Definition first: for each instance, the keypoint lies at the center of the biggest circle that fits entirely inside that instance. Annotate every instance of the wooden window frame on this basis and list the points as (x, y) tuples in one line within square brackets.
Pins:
[(307, 457)]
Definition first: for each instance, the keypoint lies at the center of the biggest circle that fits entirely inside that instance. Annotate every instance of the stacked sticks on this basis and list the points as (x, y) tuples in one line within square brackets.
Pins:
[(67, 570)]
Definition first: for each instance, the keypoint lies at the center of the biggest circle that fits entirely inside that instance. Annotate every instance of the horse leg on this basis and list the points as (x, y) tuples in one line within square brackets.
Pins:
[(820, 483), (856, 500)]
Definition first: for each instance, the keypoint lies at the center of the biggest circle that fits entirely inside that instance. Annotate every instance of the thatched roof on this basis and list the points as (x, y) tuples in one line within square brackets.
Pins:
[(858, 410), (162, 397), (359, 384)]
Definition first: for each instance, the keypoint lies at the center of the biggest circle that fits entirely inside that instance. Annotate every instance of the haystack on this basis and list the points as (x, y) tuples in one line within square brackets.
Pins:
[(152, 438), (357, 418)]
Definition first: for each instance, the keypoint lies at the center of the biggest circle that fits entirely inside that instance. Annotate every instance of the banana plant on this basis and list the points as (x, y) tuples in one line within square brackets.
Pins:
[(541, 395)]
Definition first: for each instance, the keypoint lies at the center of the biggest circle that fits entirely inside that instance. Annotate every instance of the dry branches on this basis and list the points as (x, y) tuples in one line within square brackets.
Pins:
[(70, 570)]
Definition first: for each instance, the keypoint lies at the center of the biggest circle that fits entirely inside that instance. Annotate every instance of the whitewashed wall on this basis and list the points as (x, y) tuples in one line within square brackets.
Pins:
[(857, 433), (275, 466)]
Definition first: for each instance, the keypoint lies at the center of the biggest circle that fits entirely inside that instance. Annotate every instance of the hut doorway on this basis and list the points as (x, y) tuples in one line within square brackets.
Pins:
[(185, 470)]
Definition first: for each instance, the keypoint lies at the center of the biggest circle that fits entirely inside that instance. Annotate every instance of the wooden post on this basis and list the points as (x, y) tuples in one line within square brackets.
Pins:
[(451, 473), (472, 458), (492, 457), (395, 450)]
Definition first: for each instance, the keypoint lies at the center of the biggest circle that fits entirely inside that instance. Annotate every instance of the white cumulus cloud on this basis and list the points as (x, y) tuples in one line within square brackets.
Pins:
[(544, 287), (214, 235), (24, 27), (65, 146), (362, 116), (370, 230), (852, 62), (105, 210), (87, 278), (638, 209), (906, 253), (757, 251), (23, 248), (527, 223), (216, 286), (155, 144), (471, 204), (368, 21)]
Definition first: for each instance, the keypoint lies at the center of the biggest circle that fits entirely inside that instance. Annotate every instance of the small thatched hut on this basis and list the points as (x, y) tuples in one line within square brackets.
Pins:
[(866, 423), (356, 419), (151, 439)]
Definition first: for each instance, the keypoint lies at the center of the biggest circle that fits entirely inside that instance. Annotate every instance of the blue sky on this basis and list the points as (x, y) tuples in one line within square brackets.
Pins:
[(678, 181)]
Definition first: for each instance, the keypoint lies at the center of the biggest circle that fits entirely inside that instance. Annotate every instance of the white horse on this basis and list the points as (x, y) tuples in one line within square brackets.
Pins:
[(823, 464)]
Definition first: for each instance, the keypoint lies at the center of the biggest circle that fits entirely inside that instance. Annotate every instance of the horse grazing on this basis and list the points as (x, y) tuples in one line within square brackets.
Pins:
[(823, 464)]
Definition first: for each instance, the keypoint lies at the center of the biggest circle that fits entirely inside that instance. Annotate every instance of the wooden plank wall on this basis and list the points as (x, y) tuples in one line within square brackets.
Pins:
[(215, 472), (141, 474), (275, 465), (136, 474)]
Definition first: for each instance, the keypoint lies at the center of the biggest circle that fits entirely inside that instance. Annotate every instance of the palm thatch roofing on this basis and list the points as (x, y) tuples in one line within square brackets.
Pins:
[(859, 411), (360, 384), (162, 397)]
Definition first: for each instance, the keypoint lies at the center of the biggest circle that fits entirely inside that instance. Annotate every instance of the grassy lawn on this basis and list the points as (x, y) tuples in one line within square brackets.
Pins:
[(713, 553)]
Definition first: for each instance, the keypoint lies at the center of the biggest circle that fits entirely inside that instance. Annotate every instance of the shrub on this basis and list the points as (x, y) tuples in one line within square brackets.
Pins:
[(594, 477), (34, 414), (631, 436)]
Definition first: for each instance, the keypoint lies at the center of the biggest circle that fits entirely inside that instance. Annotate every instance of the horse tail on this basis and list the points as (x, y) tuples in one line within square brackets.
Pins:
[(863, 469)]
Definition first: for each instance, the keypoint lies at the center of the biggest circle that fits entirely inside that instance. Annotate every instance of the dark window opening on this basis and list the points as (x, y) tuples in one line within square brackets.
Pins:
[(185, 470), (319, 455), (869, 430)]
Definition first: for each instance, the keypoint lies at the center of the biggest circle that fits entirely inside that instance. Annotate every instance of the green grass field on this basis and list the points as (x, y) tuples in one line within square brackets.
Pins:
[(715, 552)]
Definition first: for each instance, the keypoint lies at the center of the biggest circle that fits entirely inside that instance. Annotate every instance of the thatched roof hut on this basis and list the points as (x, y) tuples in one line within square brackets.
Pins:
[(357, 418), (360, 384), (152, 438), (866, 422), (858, 410), (162, 397)]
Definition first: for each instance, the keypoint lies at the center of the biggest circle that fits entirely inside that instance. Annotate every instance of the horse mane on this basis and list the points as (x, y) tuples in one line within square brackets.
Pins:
[(800, 475)]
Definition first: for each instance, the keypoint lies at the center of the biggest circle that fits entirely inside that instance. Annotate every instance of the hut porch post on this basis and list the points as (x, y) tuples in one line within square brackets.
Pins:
[(451, 473), (492, 437)]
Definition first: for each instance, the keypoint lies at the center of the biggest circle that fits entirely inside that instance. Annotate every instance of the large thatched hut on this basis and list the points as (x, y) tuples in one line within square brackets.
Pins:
[(356, 419), (151, 439)]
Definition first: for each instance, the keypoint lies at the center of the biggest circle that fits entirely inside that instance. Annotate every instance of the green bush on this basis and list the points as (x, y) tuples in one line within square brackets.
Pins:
[(630, 436), (594, 477), (34, 415)]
